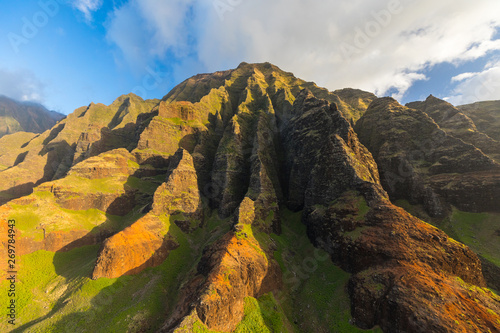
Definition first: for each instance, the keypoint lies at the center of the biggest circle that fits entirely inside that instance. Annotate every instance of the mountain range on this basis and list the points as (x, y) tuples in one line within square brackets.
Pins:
[(25, 117), (250, 200)]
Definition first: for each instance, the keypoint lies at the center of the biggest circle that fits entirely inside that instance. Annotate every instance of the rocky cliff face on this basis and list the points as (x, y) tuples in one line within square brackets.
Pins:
[(457, 124), (426, 164), (143, 244), (485, 116), (187, 203)]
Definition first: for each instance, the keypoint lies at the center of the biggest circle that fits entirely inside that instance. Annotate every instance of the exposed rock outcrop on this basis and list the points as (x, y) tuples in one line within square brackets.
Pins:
[(231, 270), (420, 162), (323, 155), (179, 193), (144, 244), (382, 245), (485, 116), (457, 124)]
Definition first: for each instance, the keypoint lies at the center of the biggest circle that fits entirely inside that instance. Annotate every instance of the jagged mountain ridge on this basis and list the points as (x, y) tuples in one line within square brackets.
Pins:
[(86, 132), (428, 164), (208, 175)]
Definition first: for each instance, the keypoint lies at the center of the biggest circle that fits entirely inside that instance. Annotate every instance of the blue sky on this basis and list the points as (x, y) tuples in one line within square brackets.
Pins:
[(66, 54)]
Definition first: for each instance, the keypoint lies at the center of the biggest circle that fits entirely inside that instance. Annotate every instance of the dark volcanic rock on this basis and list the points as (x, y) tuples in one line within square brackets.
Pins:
[(420, 162), (486, 116), (323, 155), (457, 124), (348, 215)]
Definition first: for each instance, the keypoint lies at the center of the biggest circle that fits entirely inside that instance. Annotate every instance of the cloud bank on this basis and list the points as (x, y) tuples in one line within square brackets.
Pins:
[(380, 46), (480, 86), (21, 85)]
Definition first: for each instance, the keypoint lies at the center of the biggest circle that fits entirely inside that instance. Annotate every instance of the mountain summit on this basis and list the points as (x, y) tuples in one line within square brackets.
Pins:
[(249, 200)]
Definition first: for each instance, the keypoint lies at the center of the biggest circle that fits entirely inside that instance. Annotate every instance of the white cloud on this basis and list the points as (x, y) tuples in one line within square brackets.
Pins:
[(463, 76), (480, 86), (380, 46), (21, 85), (87, 7), (145, 29)]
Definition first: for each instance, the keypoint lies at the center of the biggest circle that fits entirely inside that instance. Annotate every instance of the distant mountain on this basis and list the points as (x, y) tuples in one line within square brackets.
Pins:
[(486, 116), (25, 117), (250, 200)]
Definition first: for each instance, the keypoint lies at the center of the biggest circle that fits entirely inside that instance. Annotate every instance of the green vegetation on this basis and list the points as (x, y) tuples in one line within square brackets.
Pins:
[(85, 185), (44, 281), (262, 315), (133, 165), (144, 186), (30, 217), (45, 215), (61, 296), (477, 230), (315, 292), (57, 289), (363, 208)]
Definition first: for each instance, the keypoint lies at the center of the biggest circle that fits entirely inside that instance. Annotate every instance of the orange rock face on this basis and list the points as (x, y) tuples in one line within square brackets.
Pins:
[(137, 247), (230, 270), (416, 298)]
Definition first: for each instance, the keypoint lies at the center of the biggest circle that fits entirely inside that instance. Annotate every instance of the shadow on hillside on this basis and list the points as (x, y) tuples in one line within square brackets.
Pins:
[(81, 321), (491, 273), (59, 158), (96, 236), (16, 192), (53, 134), (20, 158), (111, 139), (121, 213), (28, 142)]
